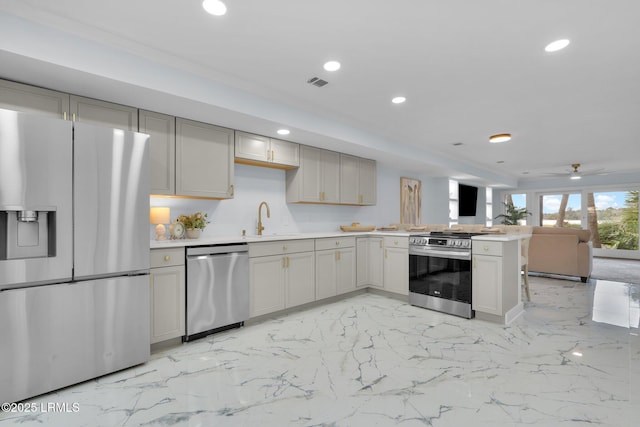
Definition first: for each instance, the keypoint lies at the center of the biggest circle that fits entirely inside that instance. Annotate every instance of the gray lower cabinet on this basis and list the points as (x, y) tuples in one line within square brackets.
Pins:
[(31, 99), (167, 294), (370, 262), (396, 265), (335, 266), (495, 276), (281, 275)]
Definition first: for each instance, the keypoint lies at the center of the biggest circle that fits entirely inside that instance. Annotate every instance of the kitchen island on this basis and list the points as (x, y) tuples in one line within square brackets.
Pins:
[(496, 261)]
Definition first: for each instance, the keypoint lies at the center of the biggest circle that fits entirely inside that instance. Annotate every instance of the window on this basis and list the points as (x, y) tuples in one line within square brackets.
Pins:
[(514, 210), (613, 220), (453, 202), (489, 197), (561, 210)]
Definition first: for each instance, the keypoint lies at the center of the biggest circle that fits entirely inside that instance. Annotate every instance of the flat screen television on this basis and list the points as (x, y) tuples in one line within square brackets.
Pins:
[(467, 200)]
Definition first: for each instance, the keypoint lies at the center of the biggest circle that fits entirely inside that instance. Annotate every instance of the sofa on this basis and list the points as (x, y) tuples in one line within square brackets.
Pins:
[(564, 251)]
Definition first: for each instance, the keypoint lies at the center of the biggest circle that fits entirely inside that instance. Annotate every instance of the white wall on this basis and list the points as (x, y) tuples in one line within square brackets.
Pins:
[(255, 184)]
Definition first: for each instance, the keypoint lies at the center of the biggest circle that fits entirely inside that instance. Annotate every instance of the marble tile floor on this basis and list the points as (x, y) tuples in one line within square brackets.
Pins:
[(370, 360)]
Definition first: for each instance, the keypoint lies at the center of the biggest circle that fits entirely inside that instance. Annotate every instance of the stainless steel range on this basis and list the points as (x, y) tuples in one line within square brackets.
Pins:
[(440, 272)]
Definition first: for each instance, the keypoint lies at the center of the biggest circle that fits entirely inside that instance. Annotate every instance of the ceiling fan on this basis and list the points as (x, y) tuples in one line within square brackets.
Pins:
[(577, 174)]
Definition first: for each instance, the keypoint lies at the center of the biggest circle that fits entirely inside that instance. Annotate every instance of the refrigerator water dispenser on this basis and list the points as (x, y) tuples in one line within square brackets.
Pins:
[(27, 234)]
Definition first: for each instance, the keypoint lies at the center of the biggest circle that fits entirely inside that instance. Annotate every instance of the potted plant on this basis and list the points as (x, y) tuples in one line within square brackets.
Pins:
[(513, 215), (194, 223)]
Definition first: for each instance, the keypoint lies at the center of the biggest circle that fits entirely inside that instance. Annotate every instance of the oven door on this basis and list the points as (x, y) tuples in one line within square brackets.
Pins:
[(441, 274)]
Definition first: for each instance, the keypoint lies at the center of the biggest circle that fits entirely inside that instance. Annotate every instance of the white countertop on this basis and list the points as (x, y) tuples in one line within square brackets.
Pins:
[(267, 238), (500, 237)]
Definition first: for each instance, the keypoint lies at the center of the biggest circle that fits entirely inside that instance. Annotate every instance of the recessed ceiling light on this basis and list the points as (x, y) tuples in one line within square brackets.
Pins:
[(214, 7), (332, 66), (557, 45), (283, 132), (398, 99), (577, 353), (500, 137)]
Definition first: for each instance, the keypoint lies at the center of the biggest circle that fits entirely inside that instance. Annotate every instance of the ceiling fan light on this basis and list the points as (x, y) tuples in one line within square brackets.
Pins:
[(575, 176), (500, 137)]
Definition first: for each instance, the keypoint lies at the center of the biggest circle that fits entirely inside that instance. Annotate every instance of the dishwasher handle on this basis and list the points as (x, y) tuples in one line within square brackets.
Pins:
[(216, 250)]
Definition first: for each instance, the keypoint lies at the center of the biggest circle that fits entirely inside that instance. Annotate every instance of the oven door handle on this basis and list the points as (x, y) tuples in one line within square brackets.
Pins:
[(442, 254)]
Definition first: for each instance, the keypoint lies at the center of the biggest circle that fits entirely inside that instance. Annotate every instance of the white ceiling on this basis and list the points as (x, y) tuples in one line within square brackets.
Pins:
[(468, 68)]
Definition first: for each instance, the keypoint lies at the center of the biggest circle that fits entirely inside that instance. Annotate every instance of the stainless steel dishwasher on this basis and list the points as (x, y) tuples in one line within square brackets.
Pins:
[(217, 288)]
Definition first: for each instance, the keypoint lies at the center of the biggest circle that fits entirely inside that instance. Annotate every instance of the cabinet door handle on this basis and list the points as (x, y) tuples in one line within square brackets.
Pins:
[(231, 190), (73, 117), (283, 258), (395, 242), (380, 244), (273, 155), (284, 247), (337, 243), (64, 116), (167, 257), (385, 254), (287, 262)]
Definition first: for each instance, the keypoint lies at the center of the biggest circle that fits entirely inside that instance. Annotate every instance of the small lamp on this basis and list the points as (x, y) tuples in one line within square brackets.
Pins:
[(159, 216)]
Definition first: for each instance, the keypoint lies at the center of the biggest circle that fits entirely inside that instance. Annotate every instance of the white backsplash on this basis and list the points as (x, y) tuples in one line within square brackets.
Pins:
[(256, 184)]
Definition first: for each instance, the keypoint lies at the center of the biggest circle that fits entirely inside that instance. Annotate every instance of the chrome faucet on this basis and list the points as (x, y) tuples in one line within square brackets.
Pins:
[(260, 227)]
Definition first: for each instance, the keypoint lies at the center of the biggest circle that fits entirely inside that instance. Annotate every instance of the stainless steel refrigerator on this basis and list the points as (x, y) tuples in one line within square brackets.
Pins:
[(74, 253)]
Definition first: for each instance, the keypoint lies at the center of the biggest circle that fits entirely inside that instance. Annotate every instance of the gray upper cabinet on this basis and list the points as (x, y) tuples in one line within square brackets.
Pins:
[(204, 160), (349, 176), (263, 151), (357, 180), (367, 181), (31, 99), (317, 180), (94, 111), (162, 150)]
